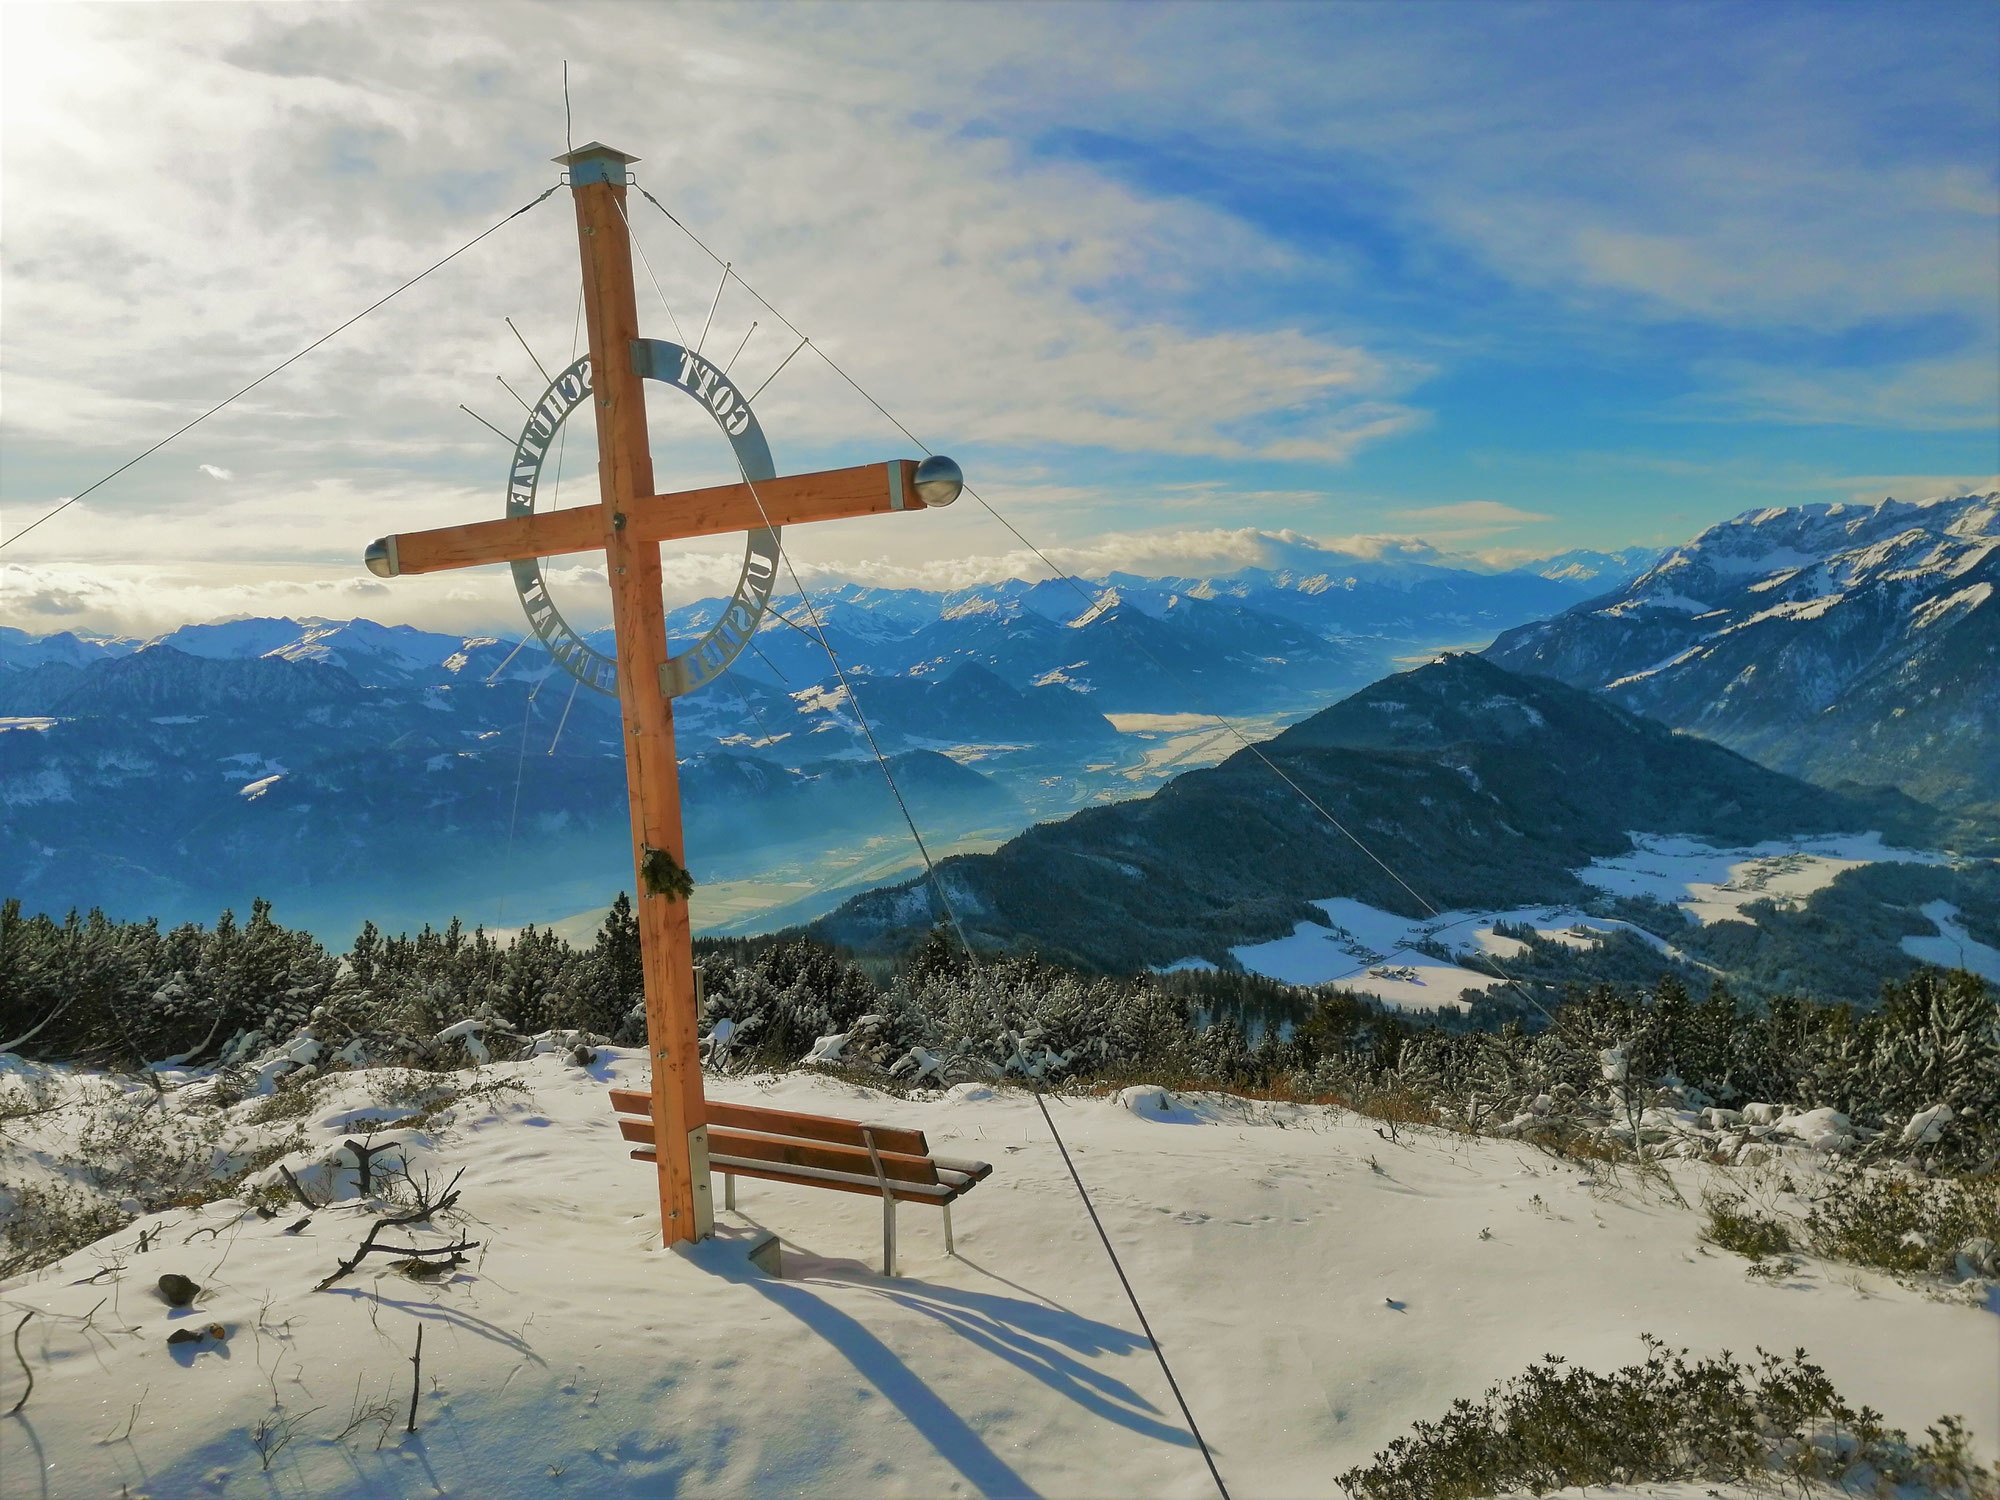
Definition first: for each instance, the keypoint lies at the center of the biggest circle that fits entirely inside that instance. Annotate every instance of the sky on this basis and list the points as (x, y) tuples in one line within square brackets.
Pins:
[(1176, 284)]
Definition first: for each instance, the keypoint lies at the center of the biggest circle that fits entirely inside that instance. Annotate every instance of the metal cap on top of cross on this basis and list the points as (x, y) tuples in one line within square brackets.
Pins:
[(628, 524)]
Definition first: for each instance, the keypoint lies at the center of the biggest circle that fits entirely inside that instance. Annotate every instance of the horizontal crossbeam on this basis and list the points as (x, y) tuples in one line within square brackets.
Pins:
[(790, 500)]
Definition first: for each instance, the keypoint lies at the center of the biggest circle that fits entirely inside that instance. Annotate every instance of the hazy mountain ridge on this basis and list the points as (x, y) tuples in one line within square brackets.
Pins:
[(1480, 787), (389, 755), (163, 782), (1603, 570), (1836, 642)]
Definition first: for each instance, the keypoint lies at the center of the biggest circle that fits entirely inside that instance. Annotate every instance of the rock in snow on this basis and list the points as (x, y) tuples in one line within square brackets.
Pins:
[(1926, 1126)]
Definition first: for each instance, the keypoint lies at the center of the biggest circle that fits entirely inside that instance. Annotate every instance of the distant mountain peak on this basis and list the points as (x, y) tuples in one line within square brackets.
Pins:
[(1836, 641)]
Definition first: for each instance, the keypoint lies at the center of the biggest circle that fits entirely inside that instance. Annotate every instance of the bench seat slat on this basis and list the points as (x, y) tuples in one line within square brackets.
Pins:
[(978, 1171)]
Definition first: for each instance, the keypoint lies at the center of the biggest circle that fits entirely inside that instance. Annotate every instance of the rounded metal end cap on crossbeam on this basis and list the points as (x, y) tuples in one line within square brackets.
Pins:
[(381, 557), (939, 480)]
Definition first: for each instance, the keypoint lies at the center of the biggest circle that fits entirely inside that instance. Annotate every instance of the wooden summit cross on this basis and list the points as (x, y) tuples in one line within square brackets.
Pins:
[(629, 523)]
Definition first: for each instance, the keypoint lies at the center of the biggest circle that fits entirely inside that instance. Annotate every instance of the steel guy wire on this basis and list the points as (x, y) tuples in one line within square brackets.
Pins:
[(547, 378), (510, 657), (834, 365), (486, 424), (1034, 1087), (938, 887), (755, 712), (284, 364), (709, 322), (1241, 738), (574, 683), (636, 245), (729, 271), (521, 761), (777, 372), (515, 394), (739, 348), (1049, 563)]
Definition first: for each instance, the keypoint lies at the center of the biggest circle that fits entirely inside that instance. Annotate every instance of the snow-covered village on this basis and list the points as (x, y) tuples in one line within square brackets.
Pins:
[(1002, 750)]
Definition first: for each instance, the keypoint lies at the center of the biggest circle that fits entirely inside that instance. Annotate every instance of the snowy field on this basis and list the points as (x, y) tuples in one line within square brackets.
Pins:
[(1373, 952), (1714, 885), (1318, 1287), (1953, 947)]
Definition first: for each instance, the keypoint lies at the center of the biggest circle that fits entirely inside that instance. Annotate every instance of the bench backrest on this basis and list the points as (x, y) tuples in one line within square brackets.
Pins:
[(785, 1122), (781, 1151)]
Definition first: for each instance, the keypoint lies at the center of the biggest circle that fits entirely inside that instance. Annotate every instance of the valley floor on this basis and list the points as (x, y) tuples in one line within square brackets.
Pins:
[(1317, 1286), (1378, 953)]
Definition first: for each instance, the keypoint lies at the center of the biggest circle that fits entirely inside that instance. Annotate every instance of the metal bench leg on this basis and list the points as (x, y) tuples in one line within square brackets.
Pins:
[(729, 1190), (948, 1250), (888, 1204)]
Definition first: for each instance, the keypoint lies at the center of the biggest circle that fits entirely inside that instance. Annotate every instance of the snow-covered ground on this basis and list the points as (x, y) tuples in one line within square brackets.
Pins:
[(1714, 885), (1953, 946), (1373, 952), (1317, 1286)]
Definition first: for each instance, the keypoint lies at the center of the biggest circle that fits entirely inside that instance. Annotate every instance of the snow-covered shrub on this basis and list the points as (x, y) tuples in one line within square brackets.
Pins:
[(1901, 1221), (128, 993), (133, 1146), (782, 999), (1734, 1226), (293, 1097), (1024, 1018), (1666, 1418), (41, 1222)]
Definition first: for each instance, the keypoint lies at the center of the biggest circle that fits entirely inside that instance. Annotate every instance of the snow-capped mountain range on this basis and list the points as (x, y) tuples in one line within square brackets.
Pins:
[(1836, 642), (345, 768)]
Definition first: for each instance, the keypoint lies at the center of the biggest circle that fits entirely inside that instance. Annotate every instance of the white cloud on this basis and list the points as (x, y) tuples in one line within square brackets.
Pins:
[(1868, 488), (258, 175), (205, 189), (139, 600), (1487, 513), (1961, 394)]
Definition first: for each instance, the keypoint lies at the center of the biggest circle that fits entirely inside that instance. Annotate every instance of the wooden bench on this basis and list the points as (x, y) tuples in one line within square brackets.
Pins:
[(781, 1145)]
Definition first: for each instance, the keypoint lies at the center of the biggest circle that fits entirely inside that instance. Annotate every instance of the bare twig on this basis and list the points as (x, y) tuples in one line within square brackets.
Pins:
[(8, 1117), (272, 1433), (359, 1416), (24, 1363), (369, 1247), (418, 1215), (298, 1192), (130, 1422), (15, 1044), (364, 1161), (416, 1377)]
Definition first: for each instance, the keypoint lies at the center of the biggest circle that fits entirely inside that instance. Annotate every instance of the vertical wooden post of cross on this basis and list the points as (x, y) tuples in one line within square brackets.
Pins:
[(625, 473)]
